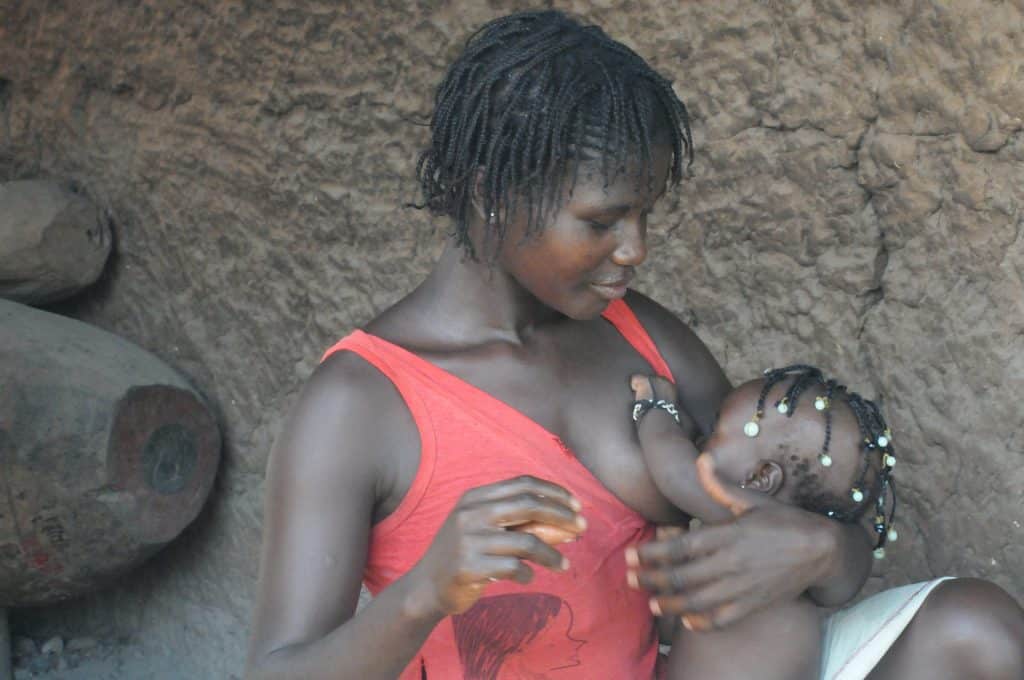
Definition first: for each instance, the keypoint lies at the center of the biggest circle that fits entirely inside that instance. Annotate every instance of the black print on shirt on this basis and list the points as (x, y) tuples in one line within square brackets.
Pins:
[(494, 633)]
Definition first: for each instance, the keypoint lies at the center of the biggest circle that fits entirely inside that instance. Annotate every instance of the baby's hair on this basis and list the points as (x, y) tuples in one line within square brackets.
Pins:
[(873, 483), (530, 93)]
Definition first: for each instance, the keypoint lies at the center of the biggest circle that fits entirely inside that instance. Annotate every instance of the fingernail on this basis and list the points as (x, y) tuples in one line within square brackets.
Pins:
[(575, 504), (581, 522), (686, 623), (655, 609), (565, 564), (633, 580), (632, 557)]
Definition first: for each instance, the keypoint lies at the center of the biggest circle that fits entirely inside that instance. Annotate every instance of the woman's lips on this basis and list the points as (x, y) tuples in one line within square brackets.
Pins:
[(611, 291)]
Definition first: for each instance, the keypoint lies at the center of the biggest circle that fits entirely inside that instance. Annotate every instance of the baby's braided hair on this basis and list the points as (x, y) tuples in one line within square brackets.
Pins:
[(531, 95), (874, 482)]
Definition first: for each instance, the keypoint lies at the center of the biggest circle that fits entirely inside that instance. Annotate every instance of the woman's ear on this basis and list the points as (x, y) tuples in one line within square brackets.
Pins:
[(477, 196), (767, 477)]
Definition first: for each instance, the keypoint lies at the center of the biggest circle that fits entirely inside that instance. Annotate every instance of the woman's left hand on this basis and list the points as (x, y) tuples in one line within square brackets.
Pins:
[(716, 575)]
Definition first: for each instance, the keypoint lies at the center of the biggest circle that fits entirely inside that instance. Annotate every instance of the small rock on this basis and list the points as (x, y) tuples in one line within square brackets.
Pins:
[(41, 664), (54, 645), (23, 647), (81, 644)]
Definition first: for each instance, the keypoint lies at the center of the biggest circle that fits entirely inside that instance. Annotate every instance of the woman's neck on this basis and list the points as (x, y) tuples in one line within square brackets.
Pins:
[(476, 302)]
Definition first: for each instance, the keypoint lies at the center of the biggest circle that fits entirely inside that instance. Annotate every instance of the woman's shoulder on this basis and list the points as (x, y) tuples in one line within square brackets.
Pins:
[(670, 333), (348, 422), (702, 382), (348, 385), (344, 403)]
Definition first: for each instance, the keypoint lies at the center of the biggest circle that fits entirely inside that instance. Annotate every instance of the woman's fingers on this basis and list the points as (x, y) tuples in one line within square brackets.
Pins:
[(684, 577), (524, 484), (526, 508), (458, 564), (523, 546), (551, 535), (523, 502), (495, 568), (682, 548)]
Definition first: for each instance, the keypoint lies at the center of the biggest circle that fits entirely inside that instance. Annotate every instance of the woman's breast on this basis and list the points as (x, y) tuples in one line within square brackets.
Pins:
[(602, 435)]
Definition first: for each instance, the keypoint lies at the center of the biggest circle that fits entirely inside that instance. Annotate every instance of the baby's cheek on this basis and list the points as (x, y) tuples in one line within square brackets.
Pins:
[(731, 468)]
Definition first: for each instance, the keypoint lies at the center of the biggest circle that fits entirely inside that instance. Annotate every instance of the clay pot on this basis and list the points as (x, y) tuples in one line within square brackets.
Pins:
[(53, 241), (106, 454)]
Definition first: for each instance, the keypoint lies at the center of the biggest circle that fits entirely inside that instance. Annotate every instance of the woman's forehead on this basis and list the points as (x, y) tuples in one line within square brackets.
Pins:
[(636, 182)]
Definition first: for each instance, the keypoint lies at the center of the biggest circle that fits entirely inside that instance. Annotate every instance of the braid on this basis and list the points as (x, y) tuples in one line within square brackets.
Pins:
[(876, 439), (531, 94)]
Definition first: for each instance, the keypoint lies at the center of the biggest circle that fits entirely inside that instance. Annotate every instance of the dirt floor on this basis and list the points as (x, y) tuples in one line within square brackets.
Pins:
[(92, 659)]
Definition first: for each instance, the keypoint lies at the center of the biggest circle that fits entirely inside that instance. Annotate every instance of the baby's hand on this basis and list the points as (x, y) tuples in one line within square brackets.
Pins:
[(652, 387), (655, 387)]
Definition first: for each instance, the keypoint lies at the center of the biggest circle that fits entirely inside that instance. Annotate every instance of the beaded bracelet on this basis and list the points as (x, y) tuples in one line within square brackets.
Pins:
[(642, 406)]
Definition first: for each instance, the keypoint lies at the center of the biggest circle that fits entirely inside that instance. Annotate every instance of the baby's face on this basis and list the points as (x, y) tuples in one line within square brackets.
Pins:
[(735, 454), (784, 440)]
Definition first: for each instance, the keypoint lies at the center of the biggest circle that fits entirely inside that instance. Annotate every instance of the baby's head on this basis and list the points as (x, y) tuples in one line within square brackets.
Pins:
[(807, 441)]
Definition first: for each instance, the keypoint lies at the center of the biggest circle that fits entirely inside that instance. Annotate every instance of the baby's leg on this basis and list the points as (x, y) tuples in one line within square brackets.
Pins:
[(780, 643)]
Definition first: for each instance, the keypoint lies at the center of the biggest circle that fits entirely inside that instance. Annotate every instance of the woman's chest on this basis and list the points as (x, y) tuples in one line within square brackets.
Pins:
[(580, 395)]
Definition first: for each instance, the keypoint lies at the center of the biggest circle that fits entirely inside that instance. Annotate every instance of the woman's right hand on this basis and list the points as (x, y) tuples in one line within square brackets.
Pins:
[(479, 542)]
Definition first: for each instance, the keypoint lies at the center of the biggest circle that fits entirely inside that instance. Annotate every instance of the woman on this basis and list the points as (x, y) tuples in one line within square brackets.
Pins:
[(493, 396)]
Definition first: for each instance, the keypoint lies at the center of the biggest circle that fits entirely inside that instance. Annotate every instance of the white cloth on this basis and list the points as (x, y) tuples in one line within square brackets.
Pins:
[(857, 638)]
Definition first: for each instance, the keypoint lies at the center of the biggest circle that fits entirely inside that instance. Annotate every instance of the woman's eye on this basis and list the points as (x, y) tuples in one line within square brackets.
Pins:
[(599, 226)]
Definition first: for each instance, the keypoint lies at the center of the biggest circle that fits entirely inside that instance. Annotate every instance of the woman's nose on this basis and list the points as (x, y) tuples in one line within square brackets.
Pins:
[(632, 246)]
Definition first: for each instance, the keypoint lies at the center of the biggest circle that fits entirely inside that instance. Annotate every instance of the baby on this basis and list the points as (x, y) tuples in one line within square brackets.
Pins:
[(793, 435)]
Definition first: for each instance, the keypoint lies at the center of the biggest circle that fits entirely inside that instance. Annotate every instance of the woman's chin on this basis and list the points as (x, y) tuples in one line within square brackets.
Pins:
[(586, 313)]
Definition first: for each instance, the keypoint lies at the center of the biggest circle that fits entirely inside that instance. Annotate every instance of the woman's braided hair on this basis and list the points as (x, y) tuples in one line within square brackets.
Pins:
[(530, 94)]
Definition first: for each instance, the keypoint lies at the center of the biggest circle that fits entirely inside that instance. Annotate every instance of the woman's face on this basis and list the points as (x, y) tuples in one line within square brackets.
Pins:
[(585, 256)]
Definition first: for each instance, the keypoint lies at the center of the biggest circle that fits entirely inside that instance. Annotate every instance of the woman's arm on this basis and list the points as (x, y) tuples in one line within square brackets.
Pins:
[(329, 468), (320, 492), (774, 552)]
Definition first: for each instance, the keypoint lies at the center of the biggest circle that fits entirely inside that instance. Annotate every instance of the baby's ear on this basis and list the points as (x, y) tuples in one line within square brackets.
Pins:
[(767, 477)]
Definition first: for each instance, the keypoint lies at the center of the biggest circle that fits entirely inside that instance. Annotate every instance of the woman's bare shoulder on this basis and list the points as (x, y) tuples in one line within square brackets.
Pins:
[(347, 421)]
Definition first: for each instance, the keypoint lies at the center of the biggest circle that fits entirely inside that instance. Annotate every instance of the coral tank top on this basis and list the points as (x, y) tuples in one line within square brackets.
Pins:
[(581, 624)]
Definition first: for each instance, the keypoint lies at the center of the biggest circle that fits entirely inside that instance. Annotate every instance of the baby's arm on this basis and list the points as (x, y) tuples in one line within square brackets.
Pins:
[(670, 455)]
